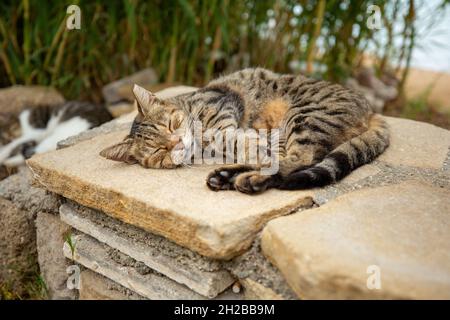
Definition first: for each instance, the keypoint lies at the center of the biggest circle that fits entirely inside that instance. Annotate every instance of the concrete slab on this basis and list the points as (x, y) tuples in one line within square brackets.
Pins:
[(130, 274), (126, 271), (387, 242), (205, 276)]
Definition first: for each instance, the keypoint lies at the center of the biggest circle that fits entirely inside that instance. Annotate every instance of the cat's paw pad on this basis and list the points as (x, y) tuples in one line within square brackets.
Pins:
[(252, 182), (220, 180), (224, 178)]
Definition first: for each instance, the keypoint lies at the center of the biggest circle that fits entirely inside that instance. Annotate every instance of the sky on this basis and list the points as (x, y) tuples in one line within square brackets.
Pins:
[(433, 49)]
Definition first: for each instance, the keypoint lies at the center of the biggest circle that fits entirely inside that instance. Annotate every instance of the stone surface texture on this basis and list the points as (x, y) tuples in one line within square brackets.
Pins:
[(401, 229), (128, 272), (182, 265), (18, 188), (256, 291), (416, 144), (94, 286), (50, 237), (125, 271)]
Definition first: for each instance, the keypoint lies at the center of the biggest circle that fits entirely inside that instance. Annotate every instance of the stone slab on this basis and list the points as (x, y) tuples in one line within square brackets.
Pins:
[(100, 258), (416, 144), (200, 274), (335, 250), (128, 272), (94, 286), (174, 203)]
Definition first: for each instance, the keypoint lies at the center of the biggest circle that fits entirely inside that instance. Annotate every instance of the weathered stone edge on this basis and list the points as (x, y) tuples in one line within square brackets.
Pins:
[(209, 284), (164, 288)]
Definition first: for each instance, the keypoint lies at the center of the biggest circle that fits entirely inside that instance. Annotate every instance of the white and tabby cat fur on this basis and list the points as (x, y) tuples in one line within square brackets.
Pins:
[(44, 126)]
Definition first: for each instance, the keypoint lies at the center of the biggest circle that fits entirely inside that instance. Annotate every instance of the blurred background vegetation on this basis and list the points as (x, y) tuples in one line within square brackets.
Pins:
[(191, 41)]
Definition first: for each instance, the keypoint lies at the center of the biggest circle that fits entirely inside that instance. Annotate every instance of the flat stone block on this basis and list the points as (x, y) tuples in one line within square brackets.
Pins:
[(203, 275), (416, 144), (397, 234)]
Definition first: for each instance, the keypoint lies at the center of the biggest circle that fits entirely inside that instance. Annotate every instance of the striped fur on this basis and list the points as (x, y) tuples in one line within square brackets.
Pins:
[(327, 130)]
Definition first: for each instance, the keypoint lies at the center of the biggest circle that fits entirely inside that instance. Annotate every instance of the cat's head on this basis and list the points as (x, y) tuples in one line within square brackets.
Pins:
[(156, 134)]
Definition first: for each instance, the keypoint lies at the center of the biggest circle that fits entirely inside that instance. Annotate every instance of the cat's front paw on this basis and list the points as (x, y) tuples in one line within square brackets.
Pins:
[(224, 178), (219, 180), (252, 182)]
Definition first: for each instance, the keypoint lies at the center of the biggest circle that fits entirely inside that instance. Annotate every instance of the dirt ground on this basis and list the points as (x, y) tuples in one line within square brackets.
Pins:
[(419, 81), (19, 270)]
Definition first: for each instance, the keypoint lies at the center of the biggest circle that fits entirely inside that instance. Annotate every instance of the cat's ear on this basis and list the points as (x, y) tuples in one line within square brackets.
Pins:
[(119, 152), (144, 98)]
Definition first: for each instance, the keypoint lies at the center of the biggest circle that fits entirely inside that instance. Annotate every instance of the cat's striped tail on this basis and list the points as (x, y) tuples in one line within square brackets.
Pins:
[(342, 160)]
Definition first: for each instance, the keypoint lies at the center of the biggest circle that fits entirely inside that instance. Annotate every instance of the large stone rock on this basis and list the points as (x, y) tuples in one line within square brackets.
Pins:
[(121, 89), (182, 265), (50, 237), (416, 144), (174, 203), (336, 251)]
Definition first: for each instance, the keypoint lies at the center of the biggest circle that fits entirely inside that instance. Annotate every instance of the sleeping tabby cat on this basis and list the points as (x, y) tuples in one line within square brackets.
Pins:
[(43, 126), (327, 130)]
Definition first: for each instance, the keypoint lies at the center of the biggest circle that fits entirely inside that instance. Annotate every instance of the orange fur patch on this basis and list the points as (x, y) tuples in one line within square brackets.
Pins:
[(271, 114)]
